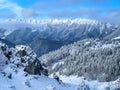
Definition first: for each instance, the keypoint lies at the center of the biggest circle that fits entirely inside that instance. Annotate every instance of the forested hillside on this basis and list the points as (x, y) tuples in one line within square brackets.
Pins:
[(93, 59)]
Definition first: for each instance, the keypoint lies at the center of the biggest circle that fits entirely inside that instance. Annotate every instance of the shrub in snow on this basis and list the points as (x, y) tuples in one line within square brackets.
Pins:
[(56, 77), (10, 76), (117, 85), (12, 87), (3, 73), (45, 72), (83, 86), (107, 87), (27, 83)]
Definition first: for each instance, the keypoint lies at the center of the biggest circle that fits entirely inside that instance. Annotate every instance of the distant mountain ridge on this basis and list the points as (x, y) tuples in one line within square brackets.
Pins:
[(47, 32), (7, 42)]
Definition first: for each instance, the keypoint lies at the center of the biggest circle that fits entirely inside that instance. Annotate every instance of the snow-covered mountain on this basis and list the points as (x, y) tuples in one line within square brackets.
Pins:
[(20, 69), (47, 35), (89, 64), (59, 30)]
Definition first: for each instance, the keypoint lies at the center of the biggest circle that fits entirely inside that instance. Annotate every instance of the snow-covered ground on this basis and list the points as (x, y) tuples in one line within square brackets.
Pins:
[(93, 85), (117, 38), (35, 82), (31, 82), (14, 77)]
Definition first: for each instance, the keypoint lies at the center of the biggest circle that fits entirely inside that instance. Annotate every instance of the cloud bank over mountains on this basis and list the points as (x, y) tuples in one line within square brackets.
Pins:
[(106, 10)]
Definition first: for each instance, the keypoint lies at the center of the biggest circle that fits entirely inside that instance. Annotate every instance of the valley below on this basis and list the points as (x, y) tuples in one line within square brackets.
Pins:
[(68, 54)]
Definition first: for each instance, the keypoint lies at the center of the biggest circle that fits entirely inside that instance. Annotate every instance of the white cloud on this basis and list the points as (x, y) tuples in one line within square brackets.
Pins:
[(112, 17), (29, 12), (5, 4)]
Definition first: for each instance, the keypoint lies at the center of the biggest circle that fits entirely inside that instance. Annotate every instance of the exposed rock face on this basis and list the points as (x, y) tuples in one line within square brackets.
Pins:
[(22, 56), (29, 59), (34, 67), (3, 59)]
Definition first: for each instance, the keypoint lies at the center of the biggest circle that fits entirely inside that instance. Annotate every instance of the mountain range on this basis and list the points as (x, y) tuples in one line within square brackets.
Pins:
[(44, 36), (66, 54)]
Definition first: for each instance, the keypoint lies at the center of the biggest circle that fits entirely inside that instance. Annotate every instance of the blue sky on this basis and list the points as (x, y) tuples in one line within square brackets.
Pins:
[(103, 10)]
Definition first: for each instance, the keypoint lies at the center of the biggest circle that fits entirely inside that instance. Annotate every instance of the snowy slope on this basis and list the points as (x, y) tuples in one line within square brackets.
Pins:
[(13, 76), (31, 82), (20, 82)]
